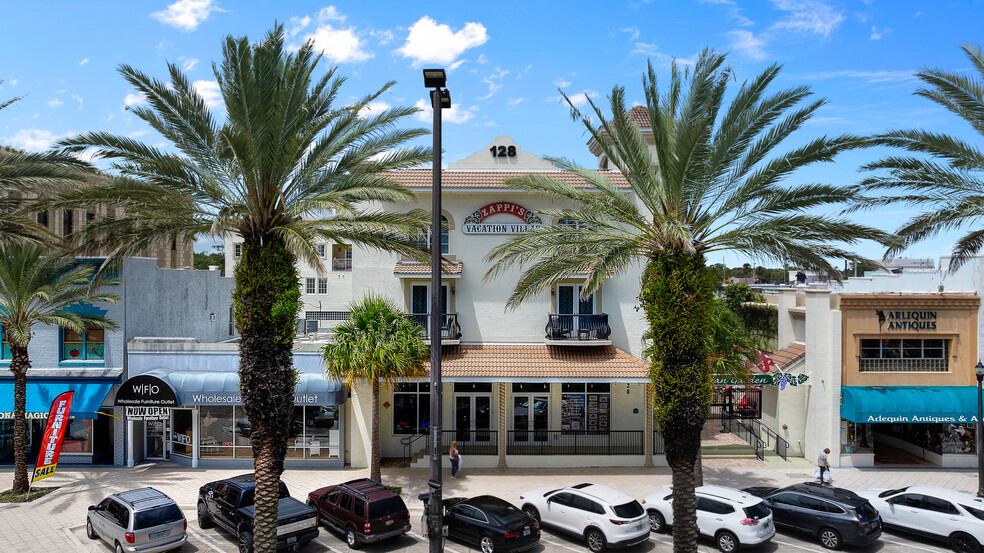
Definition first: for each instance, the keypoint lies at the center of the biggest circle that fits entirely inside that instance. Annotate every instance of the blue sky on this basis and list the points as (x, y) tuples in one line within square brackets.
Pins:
[(506, 61)]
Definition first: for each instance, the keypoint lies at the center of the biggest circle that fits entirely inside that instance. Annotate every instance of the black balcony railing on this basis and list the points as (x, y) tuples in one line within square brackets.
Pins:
[(450, 330), (578, 327), (564, 442), (341, 264), (471, 442)]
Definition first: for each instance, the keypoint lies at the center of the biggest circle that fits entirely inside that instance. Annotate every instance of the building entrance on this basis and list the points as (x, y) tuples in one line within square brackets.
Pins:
[(155, 440)]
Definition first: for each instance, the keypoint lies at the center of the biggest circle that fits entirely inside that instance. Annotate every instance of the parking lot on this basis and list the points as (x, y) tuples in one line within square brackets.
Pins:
[(218, 541)]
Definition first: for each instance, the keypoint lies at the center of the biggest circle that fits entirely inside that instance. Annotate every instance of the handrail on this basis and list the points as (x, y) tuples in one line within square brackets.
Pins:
[(450, 329), (408, 442), (781, 446), (576, 327), (745, 432)]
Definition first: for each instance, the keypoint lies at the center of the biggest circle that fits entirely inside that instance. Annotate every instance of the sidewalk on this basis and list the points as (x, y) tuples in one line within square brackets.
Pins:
[(42, 525)]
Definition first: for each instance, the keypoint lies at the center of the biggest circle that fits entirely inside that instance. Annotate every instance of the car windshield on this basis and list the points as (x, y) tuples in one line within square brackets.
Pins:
[(386, 506), (503, 512), (156, 517), (757, 511), (629, 510), (866, 511), (887, 493)]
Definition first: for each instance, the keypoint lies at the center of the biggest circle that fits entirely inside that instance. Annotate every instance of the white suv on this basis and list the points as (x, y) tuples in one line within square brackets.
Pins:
[(603, 516), (731, 517), (954, 517)]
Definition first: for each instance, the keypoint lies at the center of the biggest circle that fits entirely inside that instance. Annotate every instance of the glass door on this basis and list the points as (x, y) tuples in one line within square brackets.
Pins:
[(472, 418), (569, 304), (154, 438), (531, 418)]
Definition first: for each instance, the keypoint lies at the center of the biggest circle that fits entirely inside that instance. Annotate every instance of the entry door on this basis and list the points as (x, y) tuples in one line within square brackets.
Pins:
[(420, 299), (154, 439), (531, 418), (473, 418), (569, 303)]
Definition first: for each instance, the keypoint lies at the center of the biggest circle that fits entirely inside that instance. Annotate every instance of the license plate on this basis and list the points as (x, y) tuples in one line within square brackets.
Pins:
[(389, 522), (291, 540), (526, 531), (640, 527), (160, 534)]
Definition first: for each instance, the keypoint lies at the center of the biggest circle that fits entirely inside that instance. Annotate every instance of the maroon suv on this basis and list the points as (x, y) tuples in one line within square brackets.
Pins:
[(365, 511)]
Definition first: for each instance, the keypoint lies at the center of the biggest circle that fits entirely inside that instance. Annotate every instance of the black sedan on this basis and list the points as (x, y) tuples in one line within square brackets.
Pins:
[(490, 523)]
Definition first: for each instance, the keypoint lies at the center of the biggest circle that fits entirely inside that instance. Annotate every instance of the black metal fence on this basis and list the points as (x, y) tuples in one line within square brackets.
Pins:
[(564, 442), (450, 329), (736, 402), (471, 442), (578, 327), (745, 432)]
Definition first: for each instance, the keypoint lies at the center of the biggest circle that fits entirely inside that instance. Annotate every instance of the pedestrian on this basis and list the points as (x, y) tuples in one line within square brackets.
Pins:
[(823, 464), (455, 458)]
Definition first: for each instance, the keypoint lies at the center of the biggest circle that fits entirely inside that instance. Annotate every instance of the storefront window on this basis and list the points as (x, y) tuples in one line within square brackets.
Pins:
[(78, 437), (321, 431), (295, 440), (181, 432), (83, 346), (904, 355), (216, 432), (411, 408), (7, 441), (585, 407)]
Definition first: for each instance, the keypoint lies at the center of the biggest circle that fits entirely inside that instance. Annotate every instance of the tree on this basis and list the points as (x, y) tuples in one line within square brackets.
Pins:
[(714, 188), (378, 343), (949, 184), (216, 258), (288, 168), (39, 289)]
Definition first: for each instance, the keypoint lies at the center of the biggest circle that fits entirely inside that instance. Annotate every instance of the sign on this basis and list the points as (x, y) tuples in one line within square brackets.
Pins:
[(474, 223), (148, 413), (763, 380), (923, 418), (145, 391), (236, 399), (54, 433), (906, 320)]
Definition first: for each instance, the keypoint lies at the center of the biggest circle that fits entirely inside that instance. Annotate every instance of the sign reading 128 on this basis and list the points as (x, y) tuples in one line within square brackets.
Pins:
[(503, 151)]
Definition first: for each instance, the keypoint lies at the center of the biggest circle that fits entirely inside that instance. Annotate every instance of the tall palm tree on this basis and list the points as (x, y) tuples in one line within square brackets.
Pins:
[(378, 343), (37, 289), (286, 169), (949, 183), (705, 184)]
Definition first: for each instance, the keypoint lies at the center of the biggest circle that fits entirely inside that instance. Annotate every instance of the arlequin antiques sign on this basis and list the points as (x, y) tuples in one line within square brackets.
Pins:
[(906, 320), (474, 223)]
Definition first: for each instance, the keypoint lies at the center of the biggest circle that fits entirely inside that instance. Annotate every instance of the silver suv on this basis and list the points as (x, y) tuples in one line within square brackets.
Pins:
[(138, 521)]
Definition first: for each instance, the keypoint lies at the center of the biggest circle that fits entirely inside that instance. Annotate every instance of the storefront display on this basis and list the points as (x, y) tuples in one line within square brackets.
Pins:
[(586, 410)]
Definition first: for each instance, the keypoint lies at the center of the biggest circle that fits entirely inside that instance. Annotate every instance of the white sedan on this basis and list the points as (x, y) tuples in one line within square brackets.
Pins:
[(732, 518), (951, 516)]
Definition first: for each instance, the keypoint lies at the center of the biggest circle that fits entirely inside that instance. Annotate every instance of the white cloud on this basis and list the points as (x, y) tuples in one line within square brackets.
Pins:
[(652, 51), (456, 114), (562, 83), (808, 16), (516, 101), (482, 59), (867, 76), (633, 31), (374, 108), (32, 140), (78, 99), (748, 44), (298, 24), (494, 81), (383, 37), (84, 61), (578, 99), (186, 15), (329, 14), (209, 91), (188, 63), (429, 42), (137, 134), (491, 123), (878, 35), (339, 45), (134, 99), (13, 82), (54, 103)]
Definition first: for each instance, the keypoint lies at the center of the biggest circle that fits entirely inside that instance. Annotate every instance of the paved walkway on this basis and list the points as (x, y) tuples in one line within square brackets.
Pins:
[(45, 525)]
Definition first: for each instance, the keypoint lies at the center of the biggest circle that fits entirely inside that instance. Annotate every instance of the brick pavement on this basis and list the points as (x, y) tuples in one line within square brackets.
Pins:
[(43, 525)]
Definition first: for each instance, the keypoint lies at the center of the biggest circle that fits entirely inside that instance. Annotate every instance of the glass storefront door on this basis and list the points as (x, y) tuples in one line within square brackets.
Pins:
[(472, 418), (154, 436), (530, 418)]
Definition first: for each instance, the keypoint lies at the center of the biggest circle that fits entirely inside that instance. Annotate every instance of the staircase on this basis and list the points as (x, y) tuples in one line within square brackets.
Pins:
[(715, 444)]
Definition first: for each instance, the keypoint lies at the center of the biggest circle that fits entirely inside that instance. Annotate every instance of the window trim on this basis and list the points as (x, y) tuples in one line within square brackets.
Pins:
[(85, 346)]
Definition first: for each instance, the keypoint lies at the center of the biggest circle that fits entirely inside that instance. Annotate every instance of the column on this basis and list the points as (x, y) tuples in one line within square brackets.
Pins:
[(131, 451), (647, 415), (503, 433), (823, 365), (195, 429)]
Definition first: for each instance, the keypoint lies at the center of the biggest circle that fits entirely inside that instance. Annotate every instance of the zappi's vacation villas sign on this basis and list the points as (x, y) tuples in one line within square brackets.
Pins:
[(475, 223)]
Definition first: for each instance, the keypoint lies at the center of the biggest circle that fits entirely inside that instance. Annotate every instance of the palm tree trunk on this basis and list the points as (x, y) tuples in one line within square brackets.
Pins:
[(699, 469), (677, 292), (266, 302), (19, 363), (375, 472)]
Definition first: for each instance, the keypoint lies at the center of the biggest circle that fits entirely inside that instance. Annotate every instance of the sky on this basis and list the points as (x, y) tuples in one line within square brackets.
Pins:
[(506, 63)]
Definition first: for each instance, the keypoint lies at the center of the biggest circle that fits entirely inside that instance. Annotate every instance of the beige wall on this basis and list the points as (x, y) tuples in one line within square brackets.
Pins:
[(956, 320)]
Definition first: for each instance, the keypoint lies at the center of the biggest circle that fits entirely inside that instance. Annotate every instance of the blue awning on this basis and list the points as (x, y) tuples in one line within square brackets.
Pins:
[(89, 395), (892, 404), (222, 388)]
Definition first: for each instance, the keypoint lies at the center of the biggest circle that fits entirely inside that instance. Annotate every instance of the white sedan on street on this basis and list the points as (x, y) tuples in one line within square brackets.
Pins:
[(954, 517), (732, 518)]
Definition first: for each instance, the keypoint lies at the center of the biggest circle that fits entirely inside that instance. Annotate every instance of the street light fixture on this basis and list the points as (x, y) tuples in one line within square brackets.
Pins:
[(440, 100), (979, 436)]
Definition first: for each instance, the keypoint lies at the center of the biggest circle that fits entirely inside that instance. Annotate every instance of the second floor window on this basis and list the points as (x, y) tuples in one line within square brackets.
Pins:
[(322, 285), (309, 285), (238, 250), (425, 238), (43, 219), (83, 346), (321, 250), (904, 355), (4, 346), (67, 222)]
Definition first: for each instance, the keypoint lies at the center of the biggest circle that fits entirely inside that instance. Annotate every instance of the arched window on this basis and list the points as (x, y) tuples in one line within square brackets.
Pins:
[(425, 240)]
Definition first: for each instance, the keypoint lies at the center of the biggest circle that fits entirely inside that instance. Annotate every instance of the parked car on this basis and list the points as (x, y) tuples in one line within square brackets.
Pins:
[(143, 520), (954, 517), (836, 516), (229, 504), (490, 523), (604, 517), (730, 517), (364, 511)]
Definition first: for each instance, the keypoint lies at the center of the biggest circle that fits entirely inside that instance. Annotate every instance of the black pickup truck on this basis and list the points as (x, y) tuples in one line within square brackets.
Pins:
[(229, 504)]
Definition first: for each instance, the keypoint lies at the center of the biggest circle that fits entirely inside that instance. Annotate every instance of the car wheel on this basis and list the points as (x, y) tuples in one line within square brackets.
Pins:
[(596, 540), (90, 532), (487, 545), (351, 539), (532, 512), (204, 519), (119, 548), (829, 538), (656, 522), (245, 542), (964, 543), (727, 542)]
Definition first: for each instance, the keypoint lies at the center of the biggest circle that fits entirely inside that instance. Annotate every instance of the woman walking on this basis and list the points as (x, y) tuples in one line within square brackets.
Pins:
[(455, 458)]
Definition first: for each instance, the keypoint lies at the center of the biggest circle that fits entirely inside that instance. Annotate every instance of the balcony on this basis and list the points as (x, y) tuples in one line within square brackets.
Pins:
[(450, 330), (578, 330), (341, 264)]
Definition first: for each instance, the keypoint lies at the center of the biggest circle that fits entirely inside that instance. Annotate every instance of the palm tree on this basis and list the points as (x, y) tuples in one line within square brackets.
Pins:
[(949, 184), (38, 289), (704, 184), (286, 169), (378, 343)]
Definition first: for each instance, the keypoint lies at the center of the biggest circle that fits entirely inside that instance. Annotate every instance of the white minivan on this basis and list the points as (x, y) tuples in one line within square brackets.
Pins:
[(732, 518)]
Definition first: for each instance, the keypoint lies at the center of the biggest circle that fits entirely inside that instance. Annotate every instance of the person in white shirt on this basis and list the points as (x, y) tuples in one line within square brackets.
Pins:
[(822, 463)]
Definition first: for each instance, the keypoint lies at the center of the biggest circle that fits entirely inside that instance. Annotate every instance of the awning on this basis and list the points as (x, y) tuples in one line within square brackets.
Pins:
[(222, 388), (89, 395), (932, 404)]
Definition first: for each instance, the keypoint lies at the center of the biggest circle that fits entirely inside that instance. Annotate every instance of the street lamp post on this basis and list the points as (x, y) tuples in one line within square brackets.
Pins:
[(979, 436), (440, 99)]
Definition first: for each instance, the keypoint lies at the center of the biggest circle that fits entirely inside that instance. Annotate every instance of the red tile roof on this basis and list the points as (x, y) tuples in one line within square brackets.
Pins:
[(422, 178), (640, 116), (788, 355), (418, 268), (538, 361)]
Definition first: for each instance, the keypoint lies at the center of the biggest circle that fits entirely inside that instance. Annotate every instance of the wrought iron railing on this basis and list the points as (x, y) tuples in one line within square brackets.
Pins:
[(745, 432), (408, 445), (471, 442), (578, 327), (450, 329), (341, 264), (771, 438), (941, 365), (565, 442)]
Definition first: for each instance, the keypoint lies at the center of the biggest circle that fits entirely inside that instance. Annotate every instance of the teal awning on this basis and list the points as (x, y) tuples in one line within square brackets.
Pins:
[(933, 404), (89, 395)]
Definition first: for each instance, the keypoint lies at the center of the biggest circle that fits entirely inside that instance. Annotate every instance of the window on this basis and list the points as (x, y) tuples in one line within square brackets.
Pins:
[(585, 504), (904, 355), (786, 499), (83, 346), (757, 511), (4, 346), (118, 514), (332, 496), (518, 387), (386, 506), (78, 437), (472, 387), (978, 513), (571, 223), (233, 497), (563, 498), (155, 517), (90, 217), (411, 408), (907, 500), (813, 504), (327, 315), (631, 509), (713, 507), (425, 239), (216, 432), (181, 427), (583, 408), (359, 507), (321, 250), (322, 285), (341, 257), (939, 505), (238, 250), (43, 219), (346, 502), (309, 285), (67, 222)]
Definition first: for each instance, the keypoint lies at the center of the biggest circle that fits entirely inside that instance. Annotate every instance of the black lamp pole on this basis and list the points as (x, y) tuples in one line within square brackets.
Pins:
[(979, 436), (440, 99)]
